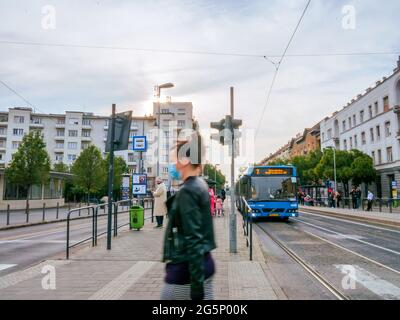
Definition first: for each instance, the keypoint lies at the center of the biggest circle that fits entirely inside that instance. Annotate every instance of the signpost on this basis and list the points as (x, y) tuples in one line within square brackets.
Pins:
[(139, 184)]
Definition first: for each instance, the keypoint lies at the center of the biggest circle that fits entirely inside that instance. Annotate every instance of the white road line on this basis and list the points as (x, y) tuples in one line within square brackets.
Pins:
[(352, 252), (349, 237), (381, 287), (35, 241), (350, 221), (116, 288), (6, 266)]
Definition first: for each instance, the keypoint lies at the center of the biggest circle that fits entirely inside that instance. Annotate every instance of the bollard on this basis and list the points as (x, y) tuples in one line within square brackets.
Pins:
[(69, 206), (152, 211), (115, 219), (79, 212), (27, 212), (44, 211), (58, 207), (380, 205), (390, 205), (362, 204), (8, 214)]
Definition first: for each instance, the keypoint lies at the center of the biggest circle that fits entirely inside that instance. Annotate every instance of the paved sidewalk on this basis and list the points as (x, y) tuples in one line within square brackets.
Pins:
[(373, 216), (132, 270)]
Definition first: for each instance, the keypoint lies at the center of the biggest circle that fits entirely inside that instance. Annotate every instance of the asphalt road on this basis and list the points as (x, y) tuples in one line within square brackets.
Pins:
[(361, 260), (23, 247)]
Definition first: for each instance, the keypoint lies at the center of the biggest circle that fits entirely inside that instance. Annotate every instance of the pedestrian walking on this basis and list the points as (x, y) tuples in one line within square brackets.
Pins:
[(370, 199), (338, 199), (219, 206), (212, 200), (189, 237), (160, 198), (353, 197), (358, 197)]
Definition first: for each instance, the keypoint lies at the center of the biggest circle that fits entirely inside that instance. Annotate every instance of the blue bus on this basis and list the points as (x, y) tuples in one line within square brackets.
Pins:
[(270, 191)]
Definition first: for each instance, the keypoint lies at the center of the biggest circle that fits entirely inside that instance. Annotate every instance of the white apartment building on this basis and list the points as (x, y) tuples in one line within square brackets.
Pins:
[(66, 135), (371, 124)]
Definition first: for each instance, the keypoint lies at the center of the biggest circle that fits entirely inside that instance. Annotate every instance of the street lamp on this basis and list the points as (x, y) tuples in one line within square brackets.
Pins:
[(334, 164), (215, 177), (158, 95)]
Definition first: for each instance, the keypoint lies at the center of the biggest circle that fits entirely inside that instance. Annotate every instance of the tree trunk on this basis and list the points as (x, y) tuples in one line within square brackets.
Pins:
[(27, 199)]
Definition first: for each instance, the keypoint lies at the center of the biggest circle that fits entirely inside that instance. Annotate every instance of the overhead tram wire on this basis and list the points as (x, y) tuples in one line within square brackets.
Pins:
[(278, 67), (193, 52), (18, 94)]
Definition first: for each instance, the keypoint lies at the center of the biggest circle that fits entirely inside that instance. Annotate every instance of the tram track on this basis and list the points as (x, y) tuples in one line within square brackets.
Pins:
[(315, 274)]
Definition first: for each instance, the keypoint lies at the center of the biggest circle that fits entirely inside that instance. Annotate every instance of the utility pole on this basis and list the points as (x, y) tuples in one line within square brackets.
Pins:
[(232, 218), (110, 178)]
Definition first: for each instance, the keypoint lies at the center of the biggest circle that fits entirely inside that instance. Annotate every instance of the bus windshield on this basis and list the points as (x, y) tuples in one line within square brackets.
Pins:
[(273, 188)]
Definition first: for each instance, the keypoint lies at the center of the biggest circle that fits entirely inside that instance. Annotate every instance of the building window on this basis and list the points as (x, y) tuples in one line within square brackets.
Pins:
[(3, 131), (71, 157), (329, 134), (164, 111), (376, 108), (19, 119), (72, 145), (181, 112), (18, 132), (371, 131), (389, 154), (85, 145), (86, 122), (379, 156), (349, 120), (351, 143), (344, 126), (59, 145), (385, 104), (72, 133), (181, 123), (355, 142), (323, 136), (36, 120), (378, 133), (373, 157), (361, 116), (345, 144), (149, 170), (85, 133), (387, 129), (60, 120), (15, 144), (354, 120), (370, 112), (363, 138), (131, 158), (165, 169), (59, 157), (74, 121)]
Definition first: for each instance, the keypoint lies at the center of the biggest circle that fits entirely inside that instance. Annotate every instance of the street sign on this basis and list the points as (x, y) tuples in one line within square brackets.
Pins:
[(139, 143), (122, 129), (139, 184)]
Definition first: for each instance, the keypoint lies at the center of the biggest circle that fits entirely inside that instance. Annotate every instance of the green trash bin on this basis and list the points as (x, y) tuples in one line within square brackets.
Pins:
[(136, 217)]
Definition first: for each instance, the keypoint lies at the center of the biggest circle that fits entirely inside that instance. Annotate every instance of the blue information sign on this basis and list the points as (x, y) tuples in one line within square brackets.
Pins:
[(139, 143)]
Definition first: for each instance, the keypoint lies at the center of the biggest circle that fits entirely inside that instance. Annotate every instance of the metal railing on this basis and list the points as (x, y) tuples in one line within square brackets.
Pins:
[(94, 214), (390, 205), (248, 228)]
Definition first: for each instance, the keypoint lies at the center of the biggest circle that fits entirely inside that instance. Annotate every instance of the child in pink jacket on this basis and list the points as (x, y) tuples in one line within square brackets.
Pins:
[(219, 206)]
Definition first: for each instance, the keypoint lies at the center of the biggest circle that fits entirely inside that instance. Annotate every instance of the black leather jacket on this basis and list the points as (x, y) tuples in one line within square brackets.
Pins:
[(190, 232)]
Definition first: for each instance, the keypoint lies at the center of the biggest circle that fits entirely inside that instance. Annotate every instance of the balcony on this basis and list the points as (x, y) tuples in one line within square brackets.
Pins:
[(60, 125), (34, 124), (4, 120), (86, 126), (86, 138)]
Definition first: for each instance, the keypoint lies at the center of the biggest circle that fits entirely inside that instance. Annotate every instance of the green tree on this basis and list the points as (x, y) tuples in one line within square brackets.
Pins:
[(363, 169), (120, 167), (212, 172), (30, 165), (305, 167), (89, 171), (278, 162), (61, 167)]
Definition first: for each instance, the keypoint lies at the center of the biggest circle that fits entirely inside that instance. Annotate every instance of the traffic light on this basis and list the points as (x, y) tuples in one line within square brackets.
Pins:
[(122, 130), (220, 126), (228, 132)]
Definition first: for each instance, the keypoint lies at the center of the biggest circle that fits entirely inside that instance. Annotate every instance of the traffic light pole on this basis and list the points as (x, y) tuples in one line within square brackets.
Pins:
[(232, 217), (111, 178)]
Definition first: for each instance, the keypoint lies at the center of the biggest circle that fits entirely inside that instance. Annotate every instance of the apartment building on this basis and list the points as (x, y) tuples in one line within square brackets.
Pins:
[(371, 123)]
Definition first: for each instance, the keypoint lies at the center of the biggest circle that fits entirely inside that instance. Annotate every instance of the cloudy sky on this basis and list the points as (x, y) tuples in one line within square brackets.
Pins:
[(307, 89)]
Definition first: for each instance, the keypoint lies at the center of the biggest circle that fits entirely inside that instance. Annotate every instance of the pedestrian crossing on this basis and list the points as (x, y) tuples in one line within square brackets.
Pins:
[(6, 266)]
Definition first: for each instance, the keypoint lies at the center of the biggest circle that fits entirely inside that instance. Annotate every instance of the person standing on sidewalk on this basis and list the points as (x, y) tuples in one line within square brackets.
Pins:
[(353, 197), (189, 237), (370, 198), (160, 199)]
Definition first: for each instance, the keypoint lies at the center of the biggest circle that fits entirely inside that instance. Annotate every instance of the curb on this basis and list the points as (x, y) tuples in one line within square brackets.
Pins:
[(354, 218)]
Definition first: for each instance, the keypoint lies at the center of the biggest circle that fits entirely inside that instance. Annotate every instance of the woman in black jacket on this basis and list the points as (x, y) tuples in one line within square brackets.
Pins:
[(189, 237)]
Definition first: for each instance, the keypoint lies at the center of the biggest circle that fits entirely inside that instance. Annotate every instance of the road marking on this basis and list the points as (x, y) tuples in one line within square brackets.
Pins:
[(14, 278), (116, 288), (353, 252), (34, 241), (6, 266), (372, 282), (348, 237), (350, 221)]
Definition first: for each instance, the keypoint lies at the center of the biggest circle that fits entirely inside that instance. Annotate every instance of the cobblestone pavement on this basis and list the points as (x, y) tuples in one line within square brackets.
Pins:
[(132, 270)]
